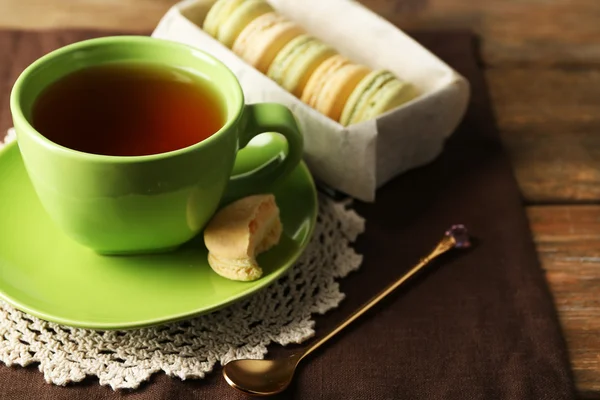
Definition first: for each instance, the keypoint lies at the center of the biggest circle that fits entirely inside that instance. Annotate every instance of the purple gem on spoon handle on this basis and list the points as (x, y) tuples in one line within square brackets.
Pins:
[(461, 237)]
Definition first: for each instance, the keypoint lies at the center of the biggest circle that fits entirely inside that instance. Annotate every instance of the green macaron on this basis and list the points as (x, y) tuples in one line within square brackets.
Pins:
[(378, 92), (296, 62)]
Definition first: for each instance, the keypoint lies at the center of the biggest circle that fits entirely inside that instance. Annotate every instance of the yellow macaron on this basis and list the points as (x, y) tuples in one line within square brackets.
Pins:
[(216, 14), (261, 41), (378, 92), (331, 84), (227, 18), (296, 62)]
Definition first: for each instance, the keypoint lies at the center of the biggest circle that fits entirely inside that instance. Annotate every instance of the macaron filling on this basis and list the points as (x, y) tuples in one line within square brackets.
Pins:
[(320, 77), (217, 15), (338, 88), (368, 91), (260, 42), (297, 61), (259, 25), (239, 18), (392, 95)]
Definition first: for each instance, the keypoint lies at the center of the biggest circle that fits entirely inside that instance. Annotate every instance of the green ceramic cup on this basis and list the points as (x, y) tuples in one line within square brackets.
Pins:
[(127, 205)]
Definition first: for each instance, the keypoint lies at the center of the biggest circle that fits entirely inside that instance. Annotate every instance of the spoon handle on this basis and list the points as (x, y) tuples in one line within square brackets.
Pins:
[(448, 242)]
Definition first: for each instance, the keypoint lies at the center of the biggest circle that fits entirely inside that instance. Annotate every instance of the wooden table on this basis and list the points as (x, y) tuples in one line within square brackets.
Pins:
[(542, 61)]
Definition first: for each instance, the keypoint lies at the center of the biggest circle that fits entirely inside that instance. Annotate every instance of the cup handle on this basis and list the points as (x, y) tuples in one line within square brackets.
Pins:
[(261, 118)]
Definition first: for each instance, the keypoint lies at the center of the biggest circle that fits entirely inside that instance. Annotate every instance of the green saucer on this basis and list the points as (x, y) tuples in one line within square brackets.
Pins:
[(46, 274)]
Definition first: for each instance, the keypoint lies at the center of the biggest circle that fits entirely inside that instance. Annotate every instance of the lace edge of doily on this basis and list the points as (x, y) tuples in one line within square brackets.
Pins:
[(297, 332)]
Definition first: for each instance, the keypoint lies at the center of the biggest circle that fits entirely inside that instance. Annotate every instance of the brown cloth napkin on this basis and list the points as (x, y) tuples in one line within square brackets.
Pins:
[(479, 325)]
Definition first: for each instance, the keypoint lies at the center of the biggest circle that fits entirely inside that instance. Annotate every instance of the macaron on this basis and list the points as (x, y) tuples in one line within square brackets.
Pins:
[(331, 84), (260, 42), (296, 62), (227, 18), (377, 93), (237, 233), (217, 14)]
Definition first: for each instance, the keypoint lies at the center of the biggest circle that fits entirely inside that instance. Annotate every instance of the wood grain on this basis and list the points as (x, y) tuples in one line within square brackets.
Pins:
[(541, 32), (123, 15), (568, 242), (549, 120), (549, 124), (543, 59), (548, 32)]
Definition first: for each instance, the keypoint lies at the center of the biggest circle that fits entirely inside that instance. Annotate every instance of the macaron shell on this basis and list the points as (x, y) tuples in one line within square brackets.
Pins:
[(318, 79), (377, 93), (260, 42), (361, 95), (338, 88), (296, 62), (217, 15), (393, 94), (239, 18)]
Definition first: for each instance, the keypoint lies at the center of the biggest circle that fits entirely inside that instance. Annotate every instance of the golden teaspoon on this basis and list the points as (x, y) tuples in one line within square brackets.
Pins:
[(269, 377)]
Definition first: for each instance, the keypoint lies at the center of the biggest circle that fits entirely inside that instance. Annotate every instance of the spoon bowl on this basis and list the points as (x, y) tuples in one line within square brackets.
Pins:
[(261, 377), (269, 377)]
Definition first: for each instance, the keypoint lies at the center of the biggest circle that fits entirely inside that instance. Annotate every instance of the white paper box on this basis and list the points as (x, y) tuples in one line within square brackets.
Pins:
[(360, 158)]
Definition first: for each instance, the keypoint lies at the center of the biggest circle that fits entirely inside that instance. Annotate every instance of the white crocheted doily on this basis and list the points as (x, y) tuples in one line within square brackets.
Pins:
[(282, 314)]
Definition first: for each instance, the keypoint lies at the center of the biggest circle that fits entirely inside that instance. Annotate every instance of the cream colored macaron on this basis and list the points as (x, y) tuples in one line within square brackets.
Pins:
[(260, 42), (239, 232), (232, 20), (332, 83), (321, 76), (217, 14), (296, 62)]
